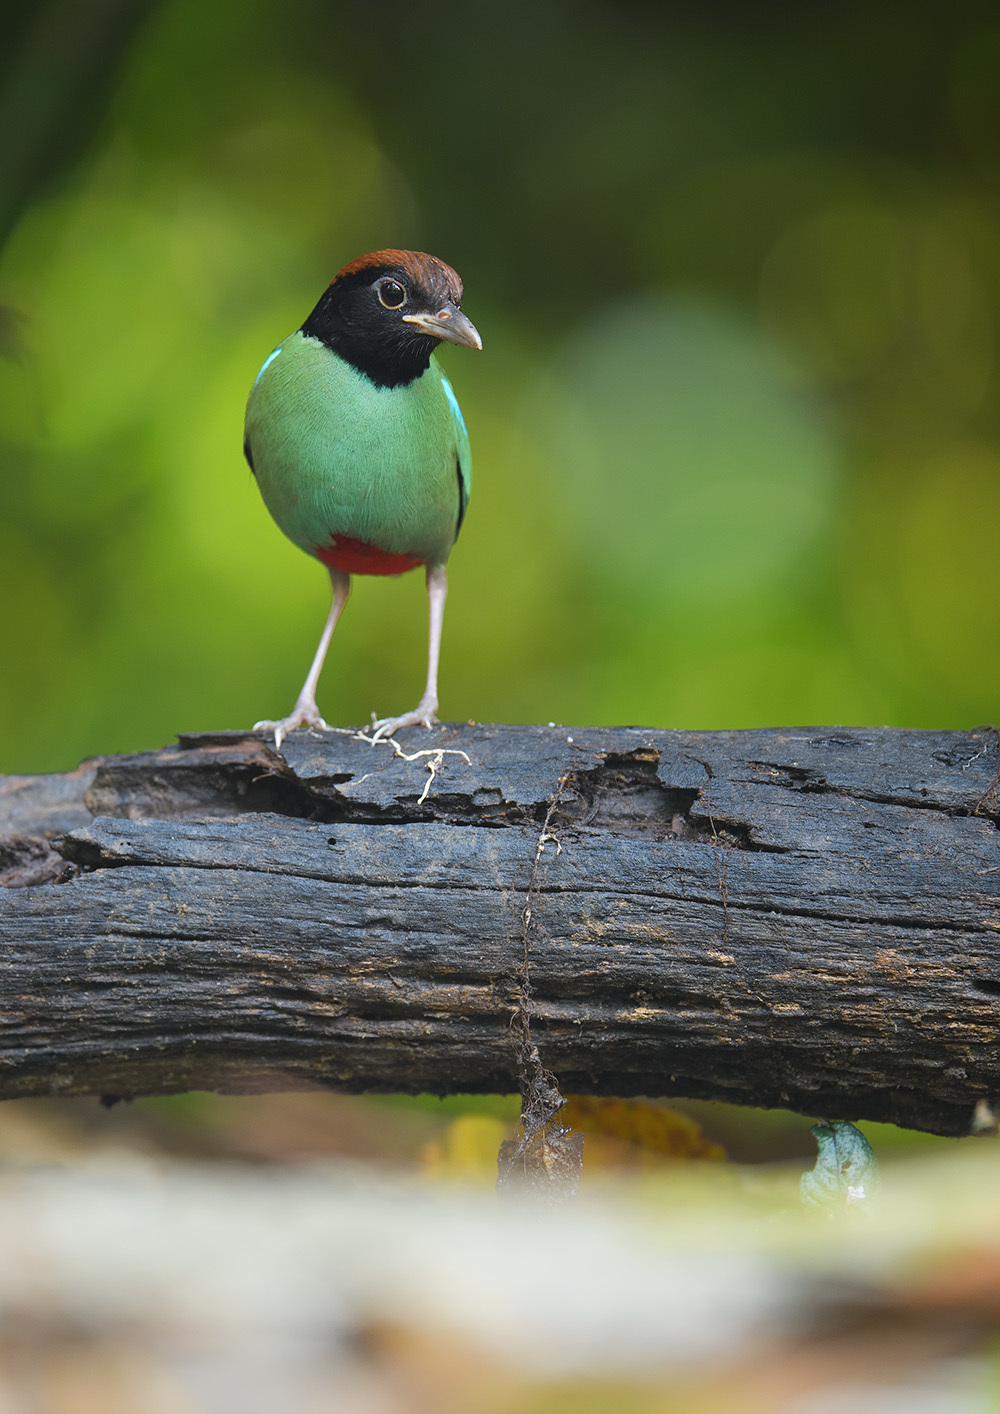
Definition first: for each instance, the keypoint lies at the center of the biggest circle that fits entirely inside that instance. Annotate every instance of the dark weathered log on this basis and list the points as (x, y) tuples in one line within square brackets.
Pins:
[(808, 918)]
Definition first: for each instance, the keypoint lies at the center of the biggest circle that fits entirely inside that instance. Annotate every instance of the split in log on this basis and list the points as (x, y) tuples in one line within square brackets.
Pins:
[(803, 918)]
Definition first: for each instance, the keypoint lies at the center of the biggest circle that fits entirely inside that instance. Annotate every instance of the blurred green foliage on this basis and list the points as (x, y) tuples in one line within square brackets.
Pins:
[(735, 427)]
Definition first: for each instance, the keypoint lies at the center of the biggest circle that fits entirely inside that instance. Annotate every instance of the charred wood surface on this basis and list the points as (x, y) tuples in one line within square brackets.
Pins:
[(807, 918)]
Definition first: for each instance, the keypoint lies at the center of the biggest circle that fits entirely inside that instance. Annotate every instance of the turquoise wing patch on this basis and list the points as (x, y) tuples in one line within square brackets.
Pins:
[(272, 356)]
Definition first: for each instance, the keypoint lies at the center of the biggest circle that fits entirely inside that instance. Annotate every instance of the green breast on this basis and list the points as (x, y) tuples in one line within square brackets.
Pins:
[(335, 455)]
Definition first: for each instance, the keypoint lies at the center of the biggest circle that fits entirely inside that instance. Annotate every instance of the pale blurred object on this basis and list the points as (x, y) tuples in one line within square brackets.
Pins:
[(128, 1285)]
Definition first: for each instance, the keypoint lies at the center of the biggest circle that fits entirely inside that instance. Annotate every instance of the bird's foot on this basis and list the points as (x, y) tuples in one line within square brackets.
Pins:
[(423, 715), (303, 714)]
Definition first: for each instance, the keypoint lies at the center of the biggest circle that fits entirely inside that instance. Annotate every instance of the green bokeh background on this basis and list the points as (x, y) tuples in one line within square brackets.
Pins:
[(735, 425)]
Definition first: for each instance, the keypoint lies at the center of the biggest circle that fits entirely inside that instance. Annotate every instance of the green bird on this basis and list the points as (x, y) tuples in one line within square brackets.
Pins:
[(359, 446)]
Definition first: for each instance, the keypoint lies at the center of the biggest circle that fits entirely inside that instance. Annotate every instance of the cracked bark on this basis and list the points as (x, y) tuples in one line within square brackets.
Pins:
[(807, 918)]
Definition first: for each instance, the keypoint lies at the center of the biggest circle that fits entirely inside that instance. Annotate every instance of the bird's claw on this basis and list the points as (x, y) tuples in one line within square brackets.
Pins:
[(423, 715), (302, 716)]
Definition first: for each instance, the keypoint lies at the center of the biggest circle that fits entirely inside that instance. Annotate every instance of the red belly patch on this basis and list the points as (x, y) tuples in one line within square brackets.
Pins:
[(359, 557)]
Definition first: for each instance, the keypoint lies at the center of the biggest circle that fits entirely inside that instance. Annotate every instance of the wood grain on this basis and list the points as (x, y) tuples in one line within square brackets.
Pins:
[(806, 918)]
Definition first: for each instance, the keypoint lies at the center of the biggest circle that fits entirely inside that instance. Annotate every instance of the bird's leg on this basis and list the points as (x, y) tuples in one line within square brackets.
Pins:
[(425, 712), (305, 713)]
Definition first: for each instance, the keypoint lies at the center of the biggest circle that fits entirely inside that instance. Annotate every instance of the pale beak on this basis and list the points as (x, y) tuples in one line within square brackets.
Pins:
[(449, 323)]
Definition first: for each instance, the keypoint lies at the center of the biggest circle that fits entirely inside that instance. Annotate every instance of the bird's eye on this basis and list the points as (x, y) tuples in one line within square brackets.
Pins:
[(391, 293)]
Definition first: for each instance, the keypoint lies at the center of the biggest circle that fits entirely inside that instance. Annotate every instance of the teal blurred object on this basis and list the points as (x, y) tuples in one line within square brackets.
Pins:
[(738, 452), (846, 1171)]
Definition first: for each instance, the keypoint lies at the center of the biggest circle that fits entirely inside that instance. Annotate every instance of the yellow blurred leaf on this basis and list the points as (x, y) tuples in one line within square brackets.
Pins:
[(467, 1150)]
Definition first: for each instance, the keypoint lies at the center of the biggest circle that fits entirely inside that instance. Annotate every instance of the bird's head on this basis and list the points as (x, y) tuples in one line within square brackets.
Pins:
[(386, 312)]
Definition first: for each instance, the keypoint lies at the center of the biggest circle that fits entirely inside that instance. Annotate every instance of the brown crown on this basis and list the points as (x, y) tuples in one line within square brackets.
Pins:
[(430, 275)]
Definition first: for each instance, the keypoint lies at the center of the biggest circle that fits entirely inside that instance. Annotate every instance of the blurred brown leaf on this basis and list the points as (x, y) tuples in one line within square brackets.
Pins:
[(636, 1133)]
